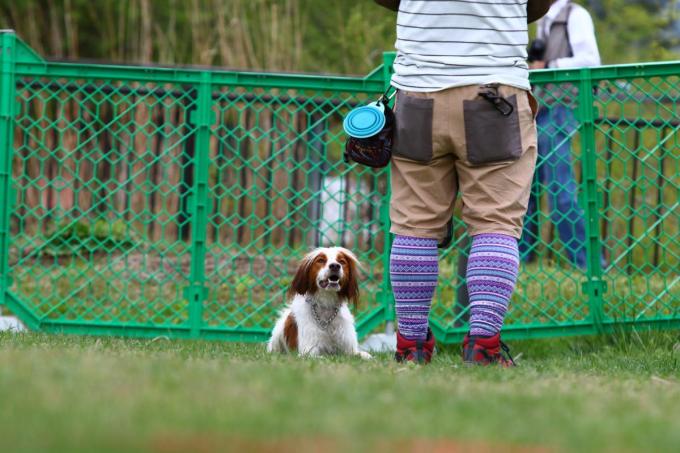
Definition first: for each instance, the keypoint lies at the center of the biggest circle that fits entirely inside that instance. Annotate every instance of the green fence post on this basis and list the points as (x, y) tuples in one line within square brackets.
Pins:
[(386, 291), (7, 103), (594, 285), (199, 218)]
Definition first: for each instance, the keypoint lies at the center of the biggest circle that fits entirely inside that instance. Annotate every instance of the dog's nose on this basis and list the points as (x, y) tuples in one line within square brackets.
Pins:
[(334, 267)]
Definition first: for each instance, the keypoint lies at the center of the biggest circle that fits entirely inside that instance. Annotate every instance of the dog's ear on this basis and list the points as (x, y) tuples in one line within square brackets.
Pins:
[(301, 282), (351, 288)]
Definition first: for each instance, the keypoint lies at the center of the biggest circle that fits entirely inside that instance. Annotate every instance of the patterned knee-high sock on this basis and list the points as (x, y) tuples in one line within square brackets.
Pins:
[(491, 277), (414, 269)]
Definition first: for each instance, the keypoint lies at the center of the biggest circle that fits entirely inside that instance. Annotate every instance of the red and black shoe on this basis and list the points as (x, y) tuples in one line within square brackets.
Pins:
[(486, 351), (417, 351)]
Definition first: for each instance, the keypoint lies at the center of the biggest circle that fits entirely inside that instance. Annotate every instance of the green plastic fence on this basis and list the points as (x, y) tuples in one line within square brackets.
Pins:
[(147, 201)]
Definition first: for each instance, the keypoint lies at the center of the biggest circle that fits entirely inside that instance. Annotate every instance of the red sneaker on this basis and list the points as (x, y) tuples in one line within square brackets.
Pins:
[(486, 351), (417, 351)]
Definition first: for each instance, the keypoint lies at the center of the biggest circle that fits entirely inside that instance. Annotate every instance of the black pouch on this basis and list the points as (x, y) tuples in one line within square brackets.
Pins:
[(375, 151), (413, 134), (492, 130)]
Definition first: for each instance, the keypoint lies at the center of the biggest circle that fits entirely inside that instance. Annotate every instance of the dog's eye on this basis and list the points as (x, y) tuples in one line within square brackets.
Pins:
[(342, 262), (321, 260)]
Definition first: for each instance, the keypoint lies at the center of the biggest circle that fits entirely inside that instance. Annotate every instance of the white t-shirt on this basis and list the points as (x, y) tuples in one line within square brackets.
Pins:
[(447, 43)]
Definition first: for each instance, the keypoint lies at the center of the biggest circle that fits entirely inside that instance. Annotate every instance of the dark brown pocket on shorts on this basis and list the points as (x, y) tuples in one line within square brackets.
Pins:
[(490, 135), (413, 133)]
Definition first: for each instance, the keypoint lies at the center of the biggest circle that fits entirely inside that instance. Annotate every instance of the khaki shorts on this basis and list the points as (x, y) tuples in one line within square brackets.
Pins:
[(455, 140)]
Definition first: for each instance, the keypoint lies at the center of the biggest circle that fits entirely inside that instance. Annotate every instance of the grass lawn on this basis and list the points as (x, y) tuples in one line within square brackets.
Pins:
[(617, 393)]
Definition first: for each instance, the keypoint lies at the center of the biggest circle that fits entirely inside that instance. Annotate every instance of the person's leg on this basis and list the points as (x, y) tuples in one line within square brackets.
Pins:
[(566, 214), (491, 276), (414, 270), (424, 189), (495, 199)]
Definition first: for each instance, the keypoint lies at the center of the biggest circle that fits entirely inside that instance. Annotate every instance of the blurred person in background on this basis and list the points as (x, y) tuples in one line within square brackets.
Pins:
[(565, 39)]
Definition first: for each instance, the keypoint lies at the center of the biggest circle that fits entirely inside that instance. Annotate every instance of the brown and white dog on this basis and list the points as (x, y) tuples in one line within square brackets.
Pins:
[(317, 320)]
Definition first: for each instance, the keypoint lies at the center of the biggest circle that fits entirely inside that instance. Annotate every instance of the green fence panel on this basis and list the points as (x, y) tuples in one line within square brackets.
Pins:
[(278, 187), (624, 143), (146, 201), (638, 162), (7, 61)]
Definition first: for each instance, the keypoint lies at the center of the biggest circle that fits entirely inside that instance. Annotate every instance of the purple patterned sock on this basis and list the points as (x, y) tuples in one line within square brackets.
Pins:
[(491, 276), (414, 269)]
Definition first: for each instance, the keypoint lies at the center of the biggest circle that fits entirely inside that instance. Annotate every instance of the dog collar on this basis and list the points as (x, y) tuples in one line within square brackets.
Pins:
[(323, 324)]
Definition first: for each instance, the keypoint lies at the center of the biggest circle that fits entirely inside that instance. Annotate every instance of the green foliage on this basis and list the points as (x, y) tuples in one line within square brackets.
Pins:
[(87, 237), (348, 37), (635, 31), (301, 35)]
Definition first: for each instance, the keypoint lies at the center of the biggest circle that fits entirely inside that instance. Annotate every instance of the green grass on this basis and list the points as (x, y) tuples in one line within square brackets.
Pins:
[(616, 393)]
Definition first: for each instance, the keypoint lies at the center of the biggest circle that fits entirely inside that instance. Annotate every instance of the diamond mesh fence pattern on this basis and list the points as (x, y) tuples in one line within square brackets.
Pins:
[(638, 162), (100, 179), (149, 201), (278, 186)]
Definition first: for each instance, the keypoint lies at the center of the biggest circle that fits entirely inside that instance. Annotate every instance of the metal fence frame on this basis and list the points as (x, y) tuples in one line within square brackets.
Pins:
[(18, 61)]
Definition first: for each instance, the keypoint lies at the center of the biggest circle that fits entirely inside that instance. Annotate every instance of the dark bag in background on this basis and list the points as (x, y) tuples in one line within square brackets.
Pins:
[(536, 50)]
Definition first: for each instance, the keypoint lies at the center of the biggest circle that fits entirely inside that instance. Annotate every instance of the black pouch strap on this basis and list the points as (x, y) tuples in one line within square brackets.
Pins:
[(490, 93), (386, 96)]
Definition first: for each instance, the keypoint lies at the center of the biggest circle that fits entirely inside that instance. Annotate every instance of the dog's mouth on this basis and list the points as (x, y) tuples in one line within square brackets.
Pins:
[(332, 282)]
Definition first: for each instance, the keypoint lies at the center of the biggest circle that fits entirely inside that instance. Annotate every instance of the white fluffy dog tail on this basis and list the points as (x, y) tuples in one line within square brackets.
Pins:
[(277, 342)]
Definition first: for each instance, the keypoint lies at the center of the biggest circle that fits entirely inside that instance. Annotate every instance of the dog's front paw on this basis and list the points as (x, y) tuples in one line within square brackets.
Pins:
[(364, 355)]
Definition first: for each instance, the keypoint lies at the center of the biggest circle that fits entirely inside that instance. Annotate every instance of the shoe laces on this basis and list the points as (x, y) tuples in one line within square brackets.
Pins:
[(506, 349), (419, 353)]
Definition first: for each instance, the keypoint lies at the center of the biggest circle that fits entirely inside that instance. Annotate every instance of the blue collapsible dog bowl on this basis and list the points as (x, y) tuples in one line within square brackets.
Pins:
[(365, 121), (370, 129)]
